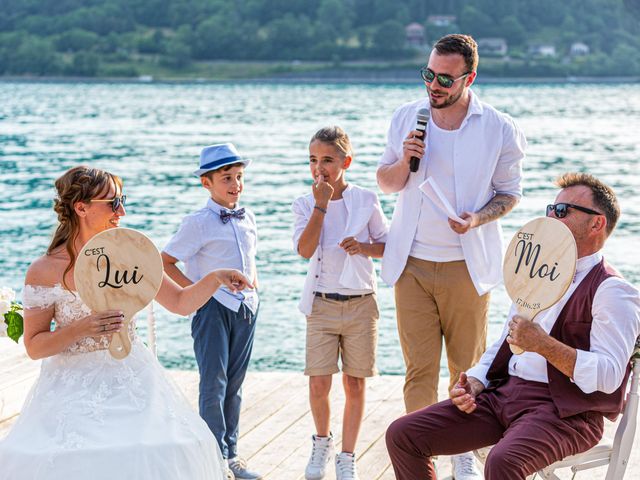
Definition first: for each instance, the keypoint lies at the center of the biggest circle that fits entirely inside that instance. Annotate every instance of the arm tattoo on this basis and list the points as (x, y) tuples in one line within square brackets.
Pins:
[(497, 207)]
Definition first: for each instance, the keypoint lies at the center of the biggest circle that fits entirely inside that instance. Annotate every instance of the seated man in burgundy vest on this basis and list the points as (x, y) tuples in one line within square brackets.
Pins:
[(549, 402)]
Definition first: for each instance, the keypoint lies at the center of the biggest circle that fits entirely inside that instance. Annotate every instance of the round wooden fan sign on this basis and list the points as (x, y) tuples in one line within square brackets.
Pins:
[(539, 266), (118, 269)]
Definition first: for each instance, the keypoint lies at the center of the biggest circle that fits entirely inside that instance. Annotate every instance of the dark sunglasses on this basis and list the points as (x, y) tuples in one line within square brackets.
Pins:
[(445, 81), (562, 209), (115, 202)]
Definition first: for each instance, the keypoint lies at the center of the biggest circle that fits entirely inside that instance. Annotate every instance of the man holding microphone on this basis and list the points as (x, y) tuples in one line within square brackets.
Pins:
[(443, 270)]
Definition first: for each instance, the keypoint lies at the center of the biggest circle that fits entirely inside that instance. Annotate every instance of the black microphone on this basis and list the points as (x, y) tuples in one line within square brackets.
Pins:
[(421, 126)]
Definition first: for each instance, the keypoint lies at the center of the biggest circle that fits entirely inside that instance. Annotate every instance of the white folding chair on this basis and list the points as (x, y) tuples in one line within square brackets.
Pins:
[(615, 454)]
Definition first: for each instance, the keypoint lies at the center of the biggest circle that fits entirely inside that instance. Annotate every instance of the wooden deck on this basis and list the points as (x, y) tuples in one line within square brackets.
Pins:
[(276, 423)]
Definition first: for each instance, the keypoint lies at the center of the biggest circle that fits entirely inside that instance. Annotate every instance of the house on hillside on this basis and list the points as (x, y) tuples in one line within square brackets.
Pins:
[(495, 47), (579, 49), (415, 35), (542, 50), (441, 20)]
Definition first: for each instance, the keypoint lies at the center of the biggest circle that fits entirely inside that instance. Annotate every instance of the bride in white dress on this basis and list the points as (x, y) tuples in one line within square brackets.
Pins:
[(89, 415)]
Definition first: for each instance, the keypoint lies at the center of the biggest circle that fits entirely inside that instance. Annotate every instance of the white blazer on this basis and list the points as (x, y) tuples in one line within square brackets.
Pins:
[(488, 153)]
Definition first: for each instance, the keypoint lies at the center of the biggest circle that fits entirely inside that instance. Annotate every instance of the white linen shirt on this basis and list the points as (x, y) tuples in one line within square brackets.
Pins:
[(365, 221), (203, 243), (487, 160), (615, 326)]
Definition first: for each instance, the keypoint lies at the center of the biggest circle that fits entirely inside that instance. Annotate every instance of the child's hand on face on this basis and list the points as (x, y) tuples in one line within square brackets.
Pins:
[(322, 192), (351, 245)]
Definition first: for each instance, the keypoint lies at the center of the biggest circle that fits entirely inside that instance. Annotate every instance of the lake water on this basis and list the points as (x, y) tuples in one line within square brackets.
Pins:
[(151, 135)]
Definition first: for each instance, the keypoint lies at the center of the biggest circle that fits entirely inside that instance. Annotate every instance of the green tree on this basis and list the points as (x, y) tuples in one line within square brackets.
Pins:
[(335, 15), (289, 37), (76, 40), (151, 44), (178, 54), (512, 30), (476, 22), (35, 56), (84, 64), (154, 13), (388, 39), (217, 38)]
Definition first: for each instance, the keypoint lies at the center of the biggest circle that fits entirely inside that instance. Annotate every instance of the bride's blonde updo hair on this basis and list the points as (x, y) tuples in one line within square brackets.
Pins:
[(78, 184)]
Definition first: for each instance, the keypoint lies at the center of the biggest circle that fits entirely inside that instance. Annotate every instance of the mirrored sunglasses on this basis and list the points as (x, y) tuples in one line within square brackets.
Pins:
[(445, 81)]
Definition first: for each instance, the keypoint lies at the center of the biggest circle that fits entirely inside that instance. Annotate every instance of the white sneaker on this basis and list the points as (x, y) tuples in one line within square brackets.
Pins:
[(238, 466), (463, 467), (346, 466), (321, 454), (228, 474)]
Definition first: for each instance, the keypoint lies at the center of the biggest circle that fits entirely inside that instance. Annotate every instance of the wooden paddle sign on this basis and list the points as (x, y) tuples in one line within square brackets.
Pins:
[(118, 269), (539, 266)]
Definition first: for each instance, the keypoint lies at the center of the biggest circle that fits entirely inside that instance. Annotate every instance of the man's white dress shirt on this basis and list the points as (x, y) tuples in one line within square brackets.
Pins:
[(615, 327)]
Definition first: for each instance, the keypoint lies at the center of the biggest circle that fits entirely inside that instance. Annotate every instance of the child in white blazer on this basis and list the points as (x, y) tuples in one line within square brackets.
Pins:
[(340, 227)]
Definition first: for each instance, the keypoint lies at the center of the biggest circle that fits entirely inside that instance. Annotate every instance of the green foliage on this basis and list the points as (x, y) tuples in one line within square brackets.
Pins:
[(84, 64), (15, 324), (98, 37), (388, 39), (178, 54), (76, 40)]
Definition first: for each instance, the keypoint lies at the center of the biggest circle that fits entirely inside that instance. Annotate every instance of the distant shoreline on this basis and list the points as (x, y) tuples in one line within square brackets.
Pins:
[(310, 78)]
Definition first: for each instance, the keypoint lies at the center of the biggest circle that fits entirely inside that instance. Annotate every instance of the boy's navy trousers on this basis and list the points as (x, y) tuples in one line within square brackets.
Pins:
[(222, 341)]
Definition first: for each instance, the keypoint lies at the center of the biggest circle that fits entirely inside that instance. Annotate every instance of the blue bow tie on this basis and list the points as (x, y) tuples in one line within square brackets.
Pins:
[(225, 215)]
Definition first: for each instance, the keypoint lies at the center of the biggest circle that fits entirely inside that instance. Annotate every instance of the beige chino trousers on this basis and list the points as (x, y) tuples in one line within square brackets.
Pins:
[(436, 300)]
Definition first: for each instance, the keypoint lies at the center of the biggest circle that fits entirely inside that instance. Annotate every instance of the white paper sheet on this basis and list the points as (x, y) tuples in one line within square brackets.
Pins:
[(431, 189)]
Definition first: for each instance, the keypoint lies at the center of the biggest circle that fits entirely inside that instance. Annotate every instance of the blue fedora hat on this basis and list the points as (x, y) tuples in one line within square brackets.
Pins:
[(215, 156)]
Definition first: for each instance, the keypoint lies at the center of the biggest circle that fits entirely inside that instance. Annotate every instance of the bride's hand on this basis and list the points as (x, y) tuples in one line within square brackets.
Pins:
[(234, 280), (102, 323)]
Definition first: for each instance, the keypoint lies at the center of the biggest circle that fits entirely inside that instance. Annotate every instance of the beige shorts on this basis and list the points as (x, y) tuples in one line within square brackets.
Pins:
[(342, 329)]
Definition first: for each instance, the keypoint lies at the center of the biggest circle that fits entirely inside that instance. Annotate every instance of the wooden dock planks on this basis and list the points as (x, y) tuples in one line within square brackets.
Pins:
[(276, 423)]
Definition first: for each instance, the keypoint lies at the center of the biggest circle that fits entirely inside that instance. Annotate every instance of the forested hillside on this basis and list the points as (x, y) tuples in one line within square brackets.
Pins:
[(133, 37)]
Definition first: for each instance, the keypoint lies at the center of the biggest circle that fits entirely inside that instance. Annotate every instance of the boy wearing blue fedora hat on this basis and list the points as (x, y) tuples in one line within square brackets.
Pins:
[(220, 235)]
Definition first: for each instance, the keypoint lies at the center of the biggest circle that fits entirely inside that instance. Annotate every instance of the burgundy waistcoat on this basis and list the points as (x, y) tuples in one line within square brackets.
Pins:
[(573, 328)]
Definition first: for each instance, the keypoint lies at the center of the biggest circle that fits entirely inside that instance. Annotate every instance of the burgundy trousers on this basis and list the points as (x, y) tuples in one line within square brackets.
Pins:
[(518, 417)]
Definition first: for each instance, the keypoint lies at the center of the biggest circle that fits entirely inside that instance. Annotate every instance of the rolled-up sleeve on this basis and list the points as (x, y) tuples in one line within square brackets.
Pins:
[(614, 329), (301, 218), (187, 241), (507, 178)]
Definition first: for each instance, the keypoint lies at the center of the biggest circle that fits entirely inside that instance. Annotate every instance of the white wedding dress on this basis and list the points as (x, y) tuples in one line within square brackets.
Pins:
[(92, 416)]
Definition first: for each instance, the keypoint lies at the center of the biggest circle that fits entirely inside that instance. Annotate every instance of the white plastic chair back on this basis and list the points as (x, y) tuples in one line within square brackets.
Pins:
[(616, 455)]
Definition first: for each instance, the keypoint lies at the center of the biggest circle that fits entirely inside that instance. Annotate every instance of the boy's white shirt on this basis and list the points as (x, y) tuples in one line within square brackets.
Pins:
[(203, 227), (358, 271)]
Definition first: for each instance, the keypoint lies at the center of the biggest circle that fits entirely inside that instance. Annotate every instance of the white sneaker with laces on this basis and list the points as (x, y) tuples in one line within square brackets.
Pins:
[(464, 467), (346, 466), (321, 454), (238, 466)]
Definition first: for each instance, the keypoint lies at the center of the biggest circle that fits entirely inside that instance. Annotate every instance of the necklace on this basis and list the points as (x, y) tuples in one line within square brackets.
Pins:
[(448, 125)]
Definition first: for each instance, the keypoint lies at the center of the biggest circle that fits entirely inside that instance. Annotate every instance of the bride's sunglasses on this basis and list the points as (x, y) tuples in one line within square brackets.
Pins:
[(562, 209), (115, 202)]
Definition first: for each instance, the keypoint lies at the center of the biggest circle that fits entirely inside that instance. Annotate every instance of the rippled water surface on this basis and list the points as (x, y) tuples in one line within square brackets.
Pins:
[(151, 135)]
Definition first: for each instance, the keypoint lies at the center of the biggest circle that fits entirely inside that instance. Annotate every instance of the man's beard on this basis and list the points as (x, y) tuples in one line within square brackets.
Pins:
[(448, 102)]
